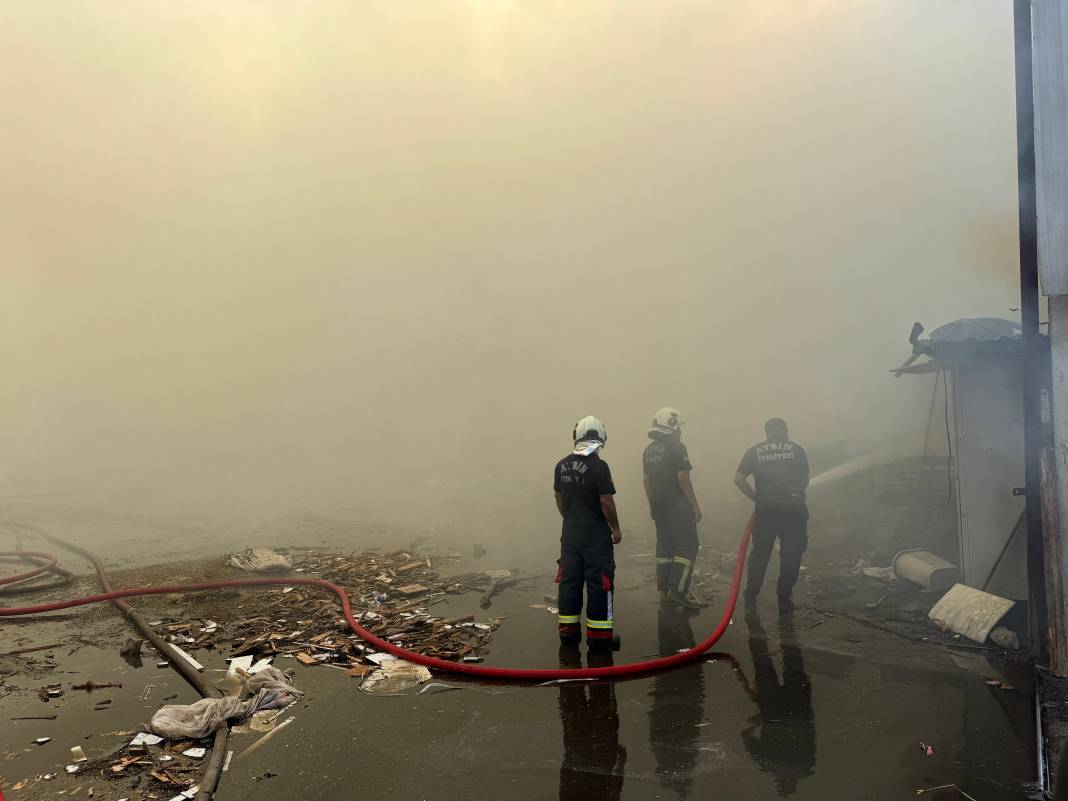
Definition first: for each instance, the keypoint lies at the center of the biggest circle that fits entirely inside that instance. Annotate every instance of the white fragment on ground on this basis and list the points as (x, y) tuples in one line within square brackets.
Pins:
[(395, 676)]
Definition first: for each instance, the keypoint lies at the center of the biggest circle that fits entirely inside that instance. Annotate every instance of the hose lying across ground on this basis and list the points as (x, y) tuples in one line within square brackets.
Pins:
[(213, 769), (482, 671)]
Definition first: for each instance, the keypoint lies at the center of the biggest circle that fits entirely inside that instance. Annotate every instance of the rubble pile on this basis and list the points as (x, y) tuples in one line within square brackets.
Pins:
[(391, 596)]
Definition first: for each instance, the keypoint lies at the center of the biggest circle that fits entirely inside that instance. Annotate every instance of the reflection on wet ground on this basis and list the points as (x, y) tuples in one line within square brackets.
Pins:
[(593, 761), (808, 708), (781, 737), (780, 711)]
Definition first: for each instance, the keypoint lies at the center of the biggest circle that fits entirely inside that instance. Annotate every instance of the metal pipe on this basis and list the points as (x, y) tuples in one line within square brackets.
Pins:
[(1032, 339)]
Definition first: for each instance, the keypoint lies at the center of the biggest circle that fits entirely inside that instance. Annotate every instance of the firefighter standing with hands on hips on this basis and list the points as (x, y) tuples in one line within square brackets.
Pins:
[(582, 483)]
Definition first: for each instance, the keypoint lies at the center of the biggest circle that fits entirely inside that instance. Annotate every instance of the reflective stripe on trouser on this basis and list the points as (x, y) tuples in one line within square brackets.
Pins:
[(600, 628), (586, 563), (685, 574), (676, 550), (569, 624)]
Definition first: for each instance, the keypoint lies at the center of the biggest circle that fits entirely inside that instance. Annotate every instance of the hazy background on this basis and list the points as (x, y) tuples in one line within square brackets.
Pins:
[(286, 256)]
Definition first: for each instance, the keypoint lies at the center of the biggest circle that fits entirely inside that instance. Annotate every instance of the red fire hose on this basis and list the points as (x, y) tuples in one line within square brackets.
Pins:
[(481, 671)]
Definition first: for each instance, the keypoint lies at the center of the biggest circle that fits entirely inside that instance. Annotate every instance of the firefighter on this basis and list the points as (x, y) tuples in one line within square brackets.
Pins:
[(780, 471), (583, 486), (673, 507)]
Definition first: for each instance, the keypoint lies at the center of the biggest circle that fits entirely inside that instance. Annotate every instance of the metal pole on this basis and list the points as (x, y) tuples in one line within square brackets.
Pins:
[(1025, 166)]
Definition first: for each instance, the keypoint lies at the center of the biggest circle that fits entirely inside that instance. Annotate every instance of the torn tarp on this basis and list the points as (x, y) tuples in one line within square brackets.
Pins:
[(270, 691)]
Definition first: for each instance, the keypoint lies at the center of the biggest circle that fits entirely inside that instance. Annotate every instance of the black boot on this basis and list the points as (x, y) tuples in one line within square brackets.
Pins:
[(603, 644)]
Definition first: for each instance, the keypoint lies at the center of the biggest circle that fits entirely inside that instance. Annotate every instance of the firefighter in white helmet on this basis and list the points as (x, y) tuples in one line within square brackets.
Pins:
[(673, 507), (582, 482)]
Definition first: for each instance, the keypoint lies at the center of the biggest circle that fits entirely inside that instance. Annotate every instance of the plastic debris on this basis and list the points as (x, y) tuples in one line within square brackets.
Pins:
[(269, 688), (78, 755), (185, 795), (42, 740), (562, 681), (240, 663), (380, 659), (195, 753), (438, 687), (73, 768)]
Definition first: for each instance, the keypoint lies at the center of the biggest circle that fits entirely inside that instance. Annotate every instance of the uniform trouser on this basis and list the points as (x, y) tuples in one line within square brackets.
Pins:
[(790, 527), (586, 560), (676, 551)]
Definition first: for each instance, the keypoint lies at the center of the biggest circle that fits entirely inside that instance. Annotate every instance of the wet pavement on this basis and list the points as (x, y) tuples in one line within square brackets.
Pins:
[(768, 715), (816, 707)]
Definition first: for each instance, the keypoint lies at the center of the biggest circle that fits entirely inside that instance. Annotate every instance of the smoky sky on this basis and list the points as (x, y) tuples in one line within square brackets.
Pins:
[(354, 251)]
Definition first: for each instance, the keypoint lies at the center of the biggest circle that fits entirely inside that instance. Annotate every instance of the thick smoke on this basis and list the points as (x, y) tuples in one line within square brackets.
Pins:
[(384, 254)]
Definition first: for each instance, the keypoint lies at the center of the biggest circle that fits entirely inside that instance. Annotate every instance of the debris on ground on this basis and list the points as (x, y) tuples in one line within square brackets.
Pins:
[(261, 560), (945, 787), (881, 573), (971, 612), (89, 686), (268, 689), (499, 580), (395, 676), (259, 743), (392, 596), (1005, 638)]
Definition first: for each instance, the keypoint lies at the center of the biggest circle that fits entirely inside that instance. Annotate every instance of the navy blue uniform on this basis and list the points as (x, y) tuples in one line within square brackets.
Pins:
[(780, 475), (587, 556), (676, 532)]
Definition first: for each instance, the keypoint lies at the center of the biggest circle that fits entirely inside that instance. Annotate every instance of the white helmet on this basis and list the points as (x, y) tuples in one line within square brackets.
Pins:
[(589, 435), (667, 421)]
